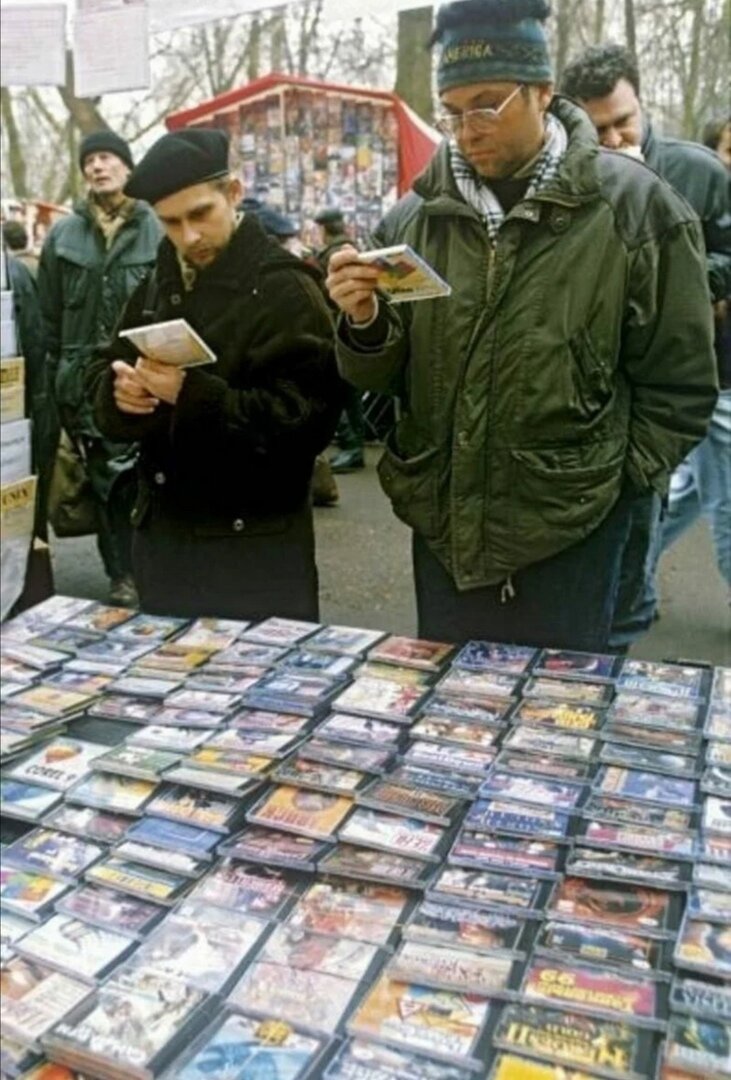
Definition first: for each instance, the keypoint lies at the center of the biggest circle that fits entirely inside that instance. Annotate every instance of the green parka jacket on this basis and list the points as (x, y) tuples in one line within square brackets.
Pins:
[(573, 359), (83, 288)]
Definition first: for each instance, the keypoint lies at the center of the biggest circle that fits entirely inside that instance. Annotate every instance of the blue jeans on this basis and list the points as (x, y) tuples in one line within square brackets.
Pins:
[(634, 610), (701, 486), (566, 601)]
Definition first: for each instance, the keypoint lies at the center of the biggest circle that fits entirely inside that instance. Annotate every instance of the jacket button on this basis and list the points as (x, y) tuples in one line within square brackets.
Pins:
[(462, 439), (238, 525), (160, 478)]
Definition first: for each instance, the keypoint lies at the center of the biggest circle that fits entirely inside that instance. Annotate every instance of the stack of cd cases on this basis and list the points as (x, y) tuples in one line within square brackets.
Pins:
[(297, 851)]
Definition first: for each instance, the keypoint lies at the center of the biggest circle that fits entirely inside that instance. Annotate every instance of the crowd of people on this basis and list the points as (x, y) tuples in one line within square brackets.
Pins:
[(564, 415)]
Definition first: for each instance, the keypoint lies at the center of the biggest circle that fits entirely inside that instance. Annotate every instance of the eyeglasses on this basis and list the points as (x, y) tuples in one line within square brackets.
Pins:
[(480, 120)]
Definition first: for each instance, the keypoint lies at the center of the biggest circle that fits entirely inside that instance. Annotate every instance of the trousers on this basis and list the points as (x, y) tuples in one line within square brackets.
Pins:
[(632, 614), (114, 496), (566, 601), (701, 487)]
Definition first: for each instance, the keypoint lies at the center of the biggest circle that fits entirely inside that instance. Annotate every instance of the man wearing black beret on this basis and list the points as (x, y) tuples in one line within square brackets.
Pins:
[(223, 521), (91, 262)]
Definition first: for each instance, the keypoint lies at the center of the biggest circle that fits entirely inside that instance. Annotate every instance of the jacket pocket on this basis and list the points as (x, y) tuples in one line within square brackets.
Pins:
[(592, 383), (559, 488), (76, 286), (411, 485)]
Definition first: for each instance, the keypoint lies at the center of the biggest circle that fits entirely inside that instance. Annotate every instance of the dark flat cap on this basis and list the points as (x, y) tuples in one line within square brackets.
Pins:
[(274, 223), (179, 160), (329, 216)]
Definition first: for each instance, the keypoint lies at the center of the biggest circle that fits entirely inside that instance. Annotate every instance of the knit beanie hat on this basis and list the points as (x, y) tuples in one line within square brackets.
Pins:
[(492, 41), (105, 141)]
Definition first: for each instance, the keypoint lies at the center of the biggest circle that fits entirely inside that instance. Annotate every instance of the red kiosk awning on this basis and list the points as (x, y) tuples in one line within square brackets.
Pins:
[(416, 139)]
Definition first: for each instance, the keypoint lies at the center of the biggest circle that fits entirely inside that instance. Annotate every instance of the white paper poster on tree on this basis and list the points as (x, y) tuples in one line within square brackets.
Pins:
[(33, 45), (111, 47)]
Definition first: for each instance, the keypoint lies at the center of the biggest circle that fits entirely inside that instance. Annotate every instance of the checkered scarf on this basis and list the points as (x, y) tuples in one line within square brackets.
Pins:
[(476, 190)]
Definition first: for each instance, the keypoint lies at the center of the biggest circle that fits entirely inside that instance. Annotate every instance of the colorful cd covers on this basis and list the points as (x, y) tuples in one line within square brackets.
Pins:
[(314, 852)]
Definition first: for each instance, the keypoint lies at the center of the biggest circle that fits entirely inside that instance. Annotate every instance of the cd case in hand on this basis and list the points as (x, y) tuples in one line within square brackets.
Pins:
[(173, 342), (405, 275)]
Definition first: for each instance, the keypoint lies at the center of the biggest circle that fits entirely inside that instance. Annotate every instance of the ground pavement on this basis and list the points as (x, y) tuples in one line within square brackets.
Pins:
[(365, 576)]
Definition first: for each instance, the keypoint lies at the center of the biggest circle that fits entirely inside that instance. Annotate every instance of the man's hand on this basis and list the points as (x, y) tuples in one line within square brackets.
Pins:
[(352, 284), (161, 381), (130, 393)]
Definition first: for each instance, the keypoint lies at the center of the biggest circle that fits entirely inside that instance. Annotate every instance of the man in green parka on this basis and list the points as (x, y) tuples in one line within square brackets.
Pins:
[(570, 369), (91, 263)]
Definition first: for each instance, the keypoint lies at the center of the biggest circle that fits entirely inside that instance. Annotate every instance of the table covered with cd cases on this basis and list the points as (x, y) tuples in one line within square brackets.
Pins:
[(289, 850)]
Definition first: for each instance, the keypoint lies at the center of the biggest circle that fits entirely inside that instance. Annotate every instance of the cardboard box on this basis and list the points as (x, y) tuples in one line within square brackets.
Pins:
[(8, 338), (15, 455), (12, 389)]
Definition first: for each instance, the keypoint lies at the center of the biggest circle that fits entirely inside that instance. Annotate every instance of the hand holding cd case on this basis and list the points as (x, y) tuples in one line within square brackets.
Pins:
[(404, 275), (173, 342)]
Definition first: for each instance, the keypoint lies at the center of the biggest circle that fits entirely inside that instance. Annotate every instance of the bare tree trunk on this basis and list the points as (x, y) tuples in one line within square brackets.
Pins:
[(16, 161), (599, 14), (83, 111), (308, 34), (75, 186), (630, 26), (253, 60), (413, 61), (563, 34), (278, 43), (690, 95)]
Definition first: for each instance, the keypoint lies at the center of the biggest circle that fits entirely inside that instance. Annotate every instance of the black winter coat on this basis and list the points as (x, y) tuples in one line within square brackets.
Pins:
[(39, 405), (83, 287), (244, 432)]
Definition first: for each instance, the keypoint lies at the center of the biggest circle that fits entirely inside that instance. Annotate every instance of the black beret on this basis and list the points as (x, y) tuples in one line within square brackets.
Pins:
[(105, 141), (329, 216), (179, 160)]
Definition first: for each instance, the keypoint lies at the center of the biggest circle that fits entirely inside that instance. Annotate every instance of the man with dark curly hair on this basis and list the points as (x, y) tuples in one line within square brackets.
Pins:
[(717, 137), (606, 81), (570, 368)]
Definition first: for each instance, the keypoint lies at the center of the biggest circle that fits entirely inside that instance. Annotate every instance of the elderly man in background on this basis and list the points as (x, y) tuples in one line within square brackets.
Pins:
[(91, 262)]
